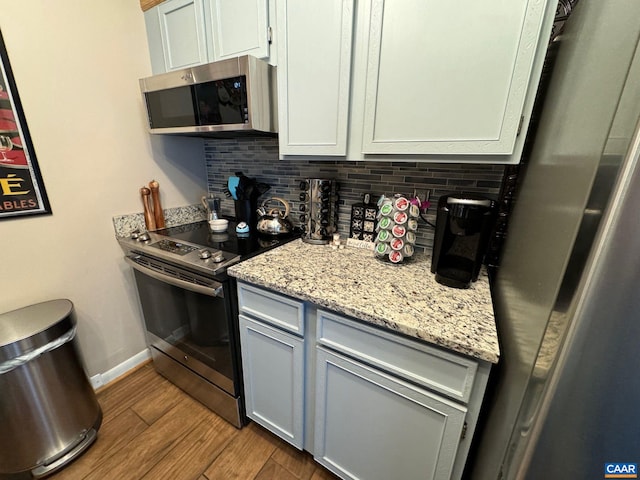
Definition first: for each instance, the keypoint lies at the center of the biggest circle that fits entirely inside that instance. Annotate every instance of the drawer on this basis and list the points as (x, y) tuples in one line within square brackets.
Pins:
[(271, 307), (449, 374)]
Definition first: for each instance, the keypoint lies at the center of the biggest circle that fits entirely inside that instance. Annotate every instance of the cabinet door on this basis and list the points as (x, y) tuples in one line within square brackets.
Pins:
[(448, 77), (183, 34), (238, 27), (371, 426), (154, 40), (273, 369), (314, 71)]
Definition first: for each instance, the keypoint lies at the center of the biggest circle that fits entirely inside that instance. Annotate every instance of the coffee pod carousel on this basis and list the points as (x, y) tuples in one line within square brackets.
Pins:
[(396, 229)]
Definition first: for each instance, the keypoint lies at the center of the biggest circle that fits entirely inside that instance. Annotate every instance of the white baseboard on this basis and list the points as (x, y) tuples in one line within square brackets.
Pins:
[(102, 379)]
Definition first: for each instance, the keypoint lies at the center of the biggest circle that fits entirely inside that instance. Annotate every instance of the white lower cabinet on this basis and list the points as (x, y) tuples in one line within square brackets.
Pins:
[(272, 362), (373, 426), (367, 403)]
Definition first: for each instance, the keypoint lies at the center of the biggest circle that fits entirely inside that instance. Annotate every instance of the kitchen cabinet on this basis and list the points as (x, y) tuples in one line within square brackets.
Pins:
[(422, 403), (182, 38), (366, 402), (373, 426), (315, 50), (238, 27), (428, 80), (273, 377), (184, 33), (273, 361)]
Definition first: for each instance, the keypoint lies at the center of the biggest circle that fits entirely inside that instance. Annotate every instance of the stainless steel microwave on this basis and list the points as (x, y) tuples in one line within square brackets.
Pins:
[(230, 97)]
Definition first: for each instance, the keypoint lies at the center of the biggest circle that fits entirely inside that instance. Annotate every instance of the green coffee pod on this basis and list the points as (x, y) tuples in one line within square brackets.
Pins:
[(386, 209), (382, 249), (385, 223), (383, 236)]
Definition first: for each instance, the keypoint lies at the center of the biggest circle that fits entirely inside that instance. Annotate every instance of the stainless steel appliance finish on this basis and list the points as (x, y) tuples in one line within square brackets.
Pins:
[(48, 410), (236, 95), (318, 210), (273, 221), (190, 308), (190, 332), (199, 257), (566, 295)]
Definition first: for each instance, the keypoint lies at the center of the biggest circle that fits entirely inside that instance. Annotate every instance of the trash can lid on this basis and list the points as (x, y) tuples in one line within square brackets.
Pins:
[(37, 321)]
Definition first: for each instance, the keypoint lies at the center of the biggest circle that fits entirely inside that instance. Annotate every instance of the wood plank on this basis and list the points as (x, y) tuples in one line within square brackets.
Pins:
[(143, 374), (272, 470), (130, 391), (245, 456), (147, 4), (322, 473), (158, 402), (191, 456), (300, 464), (126, 374), (112, 437), (153, 444), (182, 442)]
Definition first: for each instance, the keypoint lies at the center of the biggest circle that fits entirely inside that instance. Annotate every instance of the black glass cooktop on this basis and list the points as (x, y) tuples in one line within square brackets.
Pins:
[(245, 245)]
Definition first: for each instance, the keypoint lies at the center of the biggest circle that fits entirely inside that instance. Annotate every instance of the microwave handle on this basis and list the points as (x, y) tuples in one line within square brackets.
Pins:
[(212, 292)]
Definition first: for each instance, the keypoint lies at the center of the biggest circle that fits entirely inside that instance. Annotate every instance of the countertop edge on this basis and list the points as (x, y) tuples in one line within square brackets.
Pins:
[(439, 341)]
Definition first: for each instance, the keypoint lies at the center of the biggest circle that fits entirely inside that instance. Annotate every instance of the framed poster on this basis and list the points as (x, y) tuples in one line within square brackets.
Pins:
[(21, 188)]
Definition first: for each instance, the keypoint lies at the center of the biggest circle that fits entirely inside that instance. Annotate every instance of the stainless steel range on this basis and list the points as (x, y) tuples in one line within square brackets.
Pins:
[(190, 308)]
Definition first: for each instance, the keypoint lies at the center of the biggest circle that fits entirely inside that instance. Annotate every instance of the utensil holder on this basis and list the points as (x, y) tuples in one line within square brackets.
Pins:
[(246, 212)]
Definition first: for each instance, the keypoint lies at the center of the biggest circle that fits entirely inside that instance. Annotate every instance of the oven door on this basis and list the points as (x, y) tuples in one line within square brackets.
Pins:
[(188, 317)]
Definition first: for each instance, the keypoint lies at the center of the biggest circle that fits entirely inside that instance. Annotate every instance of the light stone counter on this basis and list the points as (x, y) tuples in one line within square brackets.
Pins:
[(125, 224), (403, 298)]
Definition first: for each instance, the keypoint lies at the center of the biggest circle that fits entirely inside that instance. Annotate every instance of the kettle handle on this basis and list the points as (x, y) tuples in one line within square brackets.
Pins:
[(203, 200), (281, 200)]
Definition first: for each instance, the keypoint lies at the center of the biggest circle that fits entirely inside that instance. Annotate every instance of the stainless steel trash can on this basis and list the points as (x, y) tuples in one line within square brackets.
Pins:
[(49, 413)]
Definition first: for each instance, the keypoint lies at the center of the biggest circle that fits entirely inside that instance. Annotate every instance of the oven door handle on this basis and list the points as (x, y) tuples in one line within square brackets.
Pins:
[(176, 282)]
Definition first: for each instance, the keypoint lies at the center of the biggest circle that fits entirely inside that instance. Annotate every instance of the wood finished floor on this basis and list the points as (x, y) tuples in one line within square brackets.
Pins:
[(152, 430)]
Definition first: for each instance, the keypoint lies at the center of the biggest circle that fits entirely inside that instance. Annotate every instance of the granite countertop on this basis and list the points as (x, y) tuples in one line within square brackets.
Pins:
[(403, 298)]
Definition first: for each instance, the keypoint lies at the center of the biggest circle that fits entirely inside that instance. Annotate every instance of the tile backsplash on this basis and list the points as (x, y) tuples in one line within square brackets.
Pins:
[(258, 158)]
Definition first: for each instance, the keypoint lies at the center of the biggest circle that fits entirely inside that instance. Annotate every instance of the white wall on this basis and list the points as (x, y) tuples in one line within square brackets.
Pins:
[(77, 64)]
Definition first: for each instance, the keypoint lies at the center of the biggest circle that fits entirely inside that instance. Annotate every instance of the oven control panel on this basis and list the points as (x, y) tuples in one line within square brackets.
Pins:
[(173, 247), (198, 258)]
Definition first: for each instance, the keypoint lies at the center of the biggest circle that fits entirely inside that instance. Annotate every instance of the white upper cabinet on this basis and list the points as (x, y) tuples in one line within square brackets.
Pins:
[(184, 33), (422, 80), (448, 77), (314, 73), (238, 27)]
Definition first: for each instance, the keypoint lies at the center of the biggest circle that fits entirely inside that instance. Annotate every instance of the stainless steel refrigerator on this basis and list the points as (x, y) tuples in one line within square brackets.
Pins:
[(566, 398)]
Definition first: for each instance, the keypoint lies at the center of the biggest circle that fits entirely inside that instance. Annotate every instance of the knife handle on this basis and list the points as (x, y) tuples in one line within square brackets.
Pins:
[(157, 208), (149, 221)]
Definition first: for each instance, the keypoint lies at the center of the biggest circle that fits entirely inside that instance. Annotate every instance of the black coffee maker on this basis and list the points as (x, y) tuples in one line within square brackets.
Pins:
[(463, 225)]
